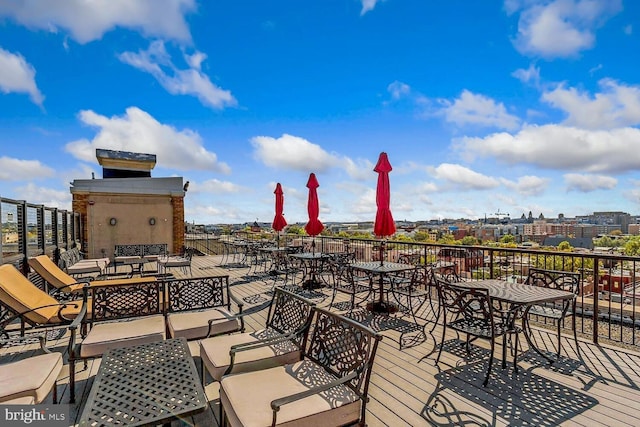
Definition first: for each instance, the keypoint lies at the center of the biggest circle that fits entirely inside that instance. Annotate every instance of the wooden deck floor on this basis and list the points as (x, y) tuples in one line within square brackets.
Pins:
[(599, 388)]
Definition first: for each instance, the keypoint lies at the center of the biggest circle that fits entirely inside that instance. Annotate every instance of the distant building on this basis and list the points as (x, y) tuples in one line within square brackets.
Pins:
[(128, 206), (574, 242)]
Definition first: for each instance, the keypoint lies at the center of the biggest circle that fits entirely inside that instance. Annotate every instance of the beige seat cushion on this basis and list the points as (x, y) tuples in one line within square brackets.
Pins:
[(194, 324), (30, 378), (215, 353), (247, 397), (108, 335), (84, 268)]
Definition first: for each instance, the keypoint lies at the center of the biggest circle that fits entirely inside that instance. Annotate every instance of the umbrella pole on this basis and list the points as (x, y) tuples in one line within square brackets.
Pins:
[(382, 244)]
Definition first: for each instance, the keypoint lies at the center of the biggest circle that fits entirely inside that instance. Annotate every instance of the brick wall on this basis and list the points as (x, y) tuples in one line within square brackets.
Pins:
[(178, 222)]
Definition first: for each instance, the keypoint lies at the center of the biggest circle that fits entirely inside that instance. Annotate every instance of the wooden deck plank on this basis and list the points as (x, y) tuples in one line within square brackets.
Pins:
[(601, 389)]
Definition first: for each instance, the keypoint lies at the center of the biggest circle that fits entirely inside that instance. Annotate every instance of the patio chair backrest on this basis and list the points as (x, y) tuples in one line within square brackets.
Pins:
[(19, 295), (289, 312), (126, 300), (464, 302), (343, 347), (196, 293), (555, 279)]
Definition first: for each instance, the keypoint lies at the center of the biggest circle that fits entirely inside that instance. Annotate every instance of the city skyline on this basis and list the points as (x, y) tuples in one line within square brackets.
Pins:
[(483, 107)]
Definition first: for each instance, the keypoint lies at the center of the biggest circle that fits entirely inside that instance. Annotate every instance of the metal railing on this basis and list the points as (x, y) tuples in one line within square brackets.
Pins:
[(608, 301), (29, 230)]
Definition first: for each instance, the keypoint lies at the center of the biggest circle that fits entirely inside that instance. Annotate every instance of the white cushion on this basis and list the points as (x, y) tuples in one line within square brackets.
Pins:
[(215, 353), (195, 324), (247, 397), (108, 335)]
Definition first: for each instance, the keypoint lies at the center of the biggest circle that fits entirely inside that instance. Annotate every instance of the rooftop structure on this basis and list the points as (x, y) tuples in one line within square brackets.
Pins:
[(128, 206)]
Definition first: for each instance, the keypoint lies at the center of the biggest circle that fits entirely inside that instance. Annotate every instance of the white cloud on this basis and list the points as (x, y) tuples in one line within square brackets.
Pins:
[(464, 177), (292, 152), (560, 147), (157, 62), (427, 187), (559, 28), (89, 20), (20, 170), (398, 90), (138, 131), (528, 185), (45, 196), (17, 75), (368, 5), (531, 75), (617, 105), (587, 182), (215, 186), (480, 110)]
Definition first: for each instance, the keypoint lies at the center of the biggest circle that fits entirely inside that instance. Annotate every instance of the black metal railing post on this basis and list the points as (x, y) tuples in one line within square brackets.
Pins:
[(596, 297)]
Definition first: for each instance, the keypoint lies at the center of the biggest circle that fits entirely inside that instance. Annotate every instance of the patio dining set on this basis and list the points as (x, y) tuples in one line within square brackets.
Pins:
[(289, 356), (485, 308)]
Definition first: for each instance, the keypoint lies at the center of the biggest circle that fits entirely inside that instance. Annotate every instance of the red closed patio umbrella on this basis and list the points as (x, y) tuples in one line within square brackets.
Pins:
[(384, 225), (314, 226), (279, 223)]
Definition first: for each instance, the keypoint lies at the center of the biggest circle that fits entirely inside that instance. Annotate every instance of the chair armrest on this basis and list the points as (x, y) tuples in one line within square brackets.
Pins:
[(62, 305), (76, 322), (6, 339), (262, 343), (277, 403), (236, 300), (236, 348)]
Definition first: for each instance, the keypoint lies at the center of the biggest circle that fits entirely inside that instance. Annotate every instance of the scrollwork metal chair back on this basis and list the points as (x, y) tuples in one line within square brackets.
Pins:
[(125, 301), (343, 347), (556, 311), (197, 293), (289, 313)]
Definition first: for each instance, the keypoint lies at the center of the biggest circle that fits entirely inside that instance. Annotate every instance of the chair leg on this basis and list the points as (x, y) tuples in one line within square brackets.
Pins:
[(575, 335), (559, 340), (486, 378), (202, 370), (515, 354), (444, 331), (72, 381), (55, 392)]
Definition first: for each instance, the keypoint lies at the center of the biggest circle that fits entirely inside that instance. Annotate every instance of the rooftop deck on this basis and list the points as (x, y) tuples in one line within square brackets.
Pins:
[(602, 387)]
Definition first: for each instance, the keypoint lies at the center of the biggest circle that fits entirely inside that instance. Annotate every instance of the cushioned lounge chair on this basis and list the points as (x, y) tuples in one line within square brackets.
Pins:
[(31, 304), (63, 282)]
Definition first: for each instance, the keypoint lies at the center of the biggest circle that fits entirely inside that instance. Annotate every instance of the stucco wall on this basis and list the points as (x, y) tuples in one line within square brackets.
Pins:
[(132, 214)]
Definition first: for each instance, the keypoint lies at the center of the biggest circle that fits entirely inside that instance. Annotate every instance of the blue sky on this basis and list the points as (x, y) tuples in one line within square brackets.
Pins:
[(482, 106)]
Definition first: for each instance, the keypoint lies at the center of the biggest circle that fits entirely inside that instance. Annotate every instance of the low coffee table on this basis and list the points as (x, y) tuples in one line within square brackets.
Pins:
[(145, 384)]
